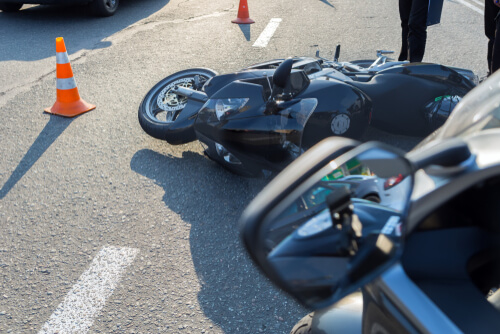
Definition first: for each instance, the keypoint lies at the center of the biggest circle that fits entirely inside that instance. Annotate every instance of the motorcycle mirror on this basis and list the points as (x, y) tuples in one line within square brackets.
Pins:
[(337, 53), (330, 222), (282, 73)]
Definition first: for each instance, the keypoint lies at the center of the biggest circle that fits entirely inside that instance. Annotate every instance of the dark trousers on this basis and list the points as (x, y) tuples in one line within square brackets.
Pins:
[(413, 14), (491, 26)]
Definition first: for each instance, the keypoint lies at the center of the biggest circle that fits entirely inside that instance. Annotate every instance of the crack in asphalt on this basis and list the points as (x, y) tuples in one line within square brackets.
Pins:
[(189, 19), (183, 3)]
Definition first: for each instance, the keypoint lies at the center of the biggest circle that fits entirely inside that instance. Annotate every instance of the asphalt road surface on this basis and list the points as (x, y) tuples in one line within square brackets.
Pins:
[(105, 229)]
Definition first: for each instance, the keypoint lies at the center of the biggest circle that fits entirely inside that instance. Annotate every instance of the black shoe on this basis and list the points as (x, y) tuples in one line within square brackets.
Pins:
[(485, 77)]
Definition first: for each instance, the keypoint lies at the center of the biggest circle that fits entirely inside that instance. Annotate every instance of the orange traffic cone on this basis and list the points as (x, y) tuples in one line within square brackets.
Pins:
[(243, 15), (68, 102)]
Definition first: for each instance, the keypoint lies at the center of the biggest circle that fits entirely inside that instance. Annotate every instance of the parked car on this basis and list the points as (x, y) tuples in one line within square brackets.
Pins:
[(361, 186), (99, 7)]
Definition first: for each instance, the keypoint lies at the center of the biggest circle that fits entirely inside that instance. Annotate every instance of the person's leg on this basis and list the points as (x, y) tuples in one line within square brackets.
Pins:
[(417, 35), (490, 12), (404, 14), (495, 56)]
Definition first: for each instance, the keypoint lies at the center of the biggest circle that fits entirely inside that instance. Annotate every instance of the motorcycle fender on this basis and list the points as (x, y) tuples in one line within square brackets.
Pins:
[(182, 130), (344, 317)]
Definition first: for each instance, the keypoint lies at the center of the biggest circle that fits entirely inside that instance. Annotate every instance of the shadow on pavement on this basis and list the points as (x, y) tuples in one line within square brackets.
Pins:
[(328, 3), (211, 200), (245, 29), (52, 130), (21, 42)]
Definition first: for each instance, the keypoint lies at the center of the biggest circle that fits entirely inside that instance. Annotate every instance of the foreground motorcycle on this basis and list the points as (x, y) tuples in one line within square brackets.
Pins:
[(425, 259), (263, 117)]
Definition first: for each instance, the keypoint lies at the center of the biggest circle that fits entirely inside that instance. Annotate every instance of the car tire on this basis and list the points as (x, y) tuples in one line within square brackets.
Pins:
[(10, 7), (372, 198), (104, 8)]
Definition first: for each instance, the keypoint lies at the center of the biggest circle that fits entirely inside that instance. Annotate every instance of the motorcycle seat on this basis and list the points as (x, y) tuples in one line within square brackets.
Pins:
[(386, 85)]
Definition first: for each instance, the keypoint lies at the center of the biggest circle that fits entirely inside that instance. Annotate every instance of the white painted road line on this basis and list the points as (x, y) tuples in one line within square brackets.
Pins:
[(478, 2), (88, 296), (468, 5), (268, 32)]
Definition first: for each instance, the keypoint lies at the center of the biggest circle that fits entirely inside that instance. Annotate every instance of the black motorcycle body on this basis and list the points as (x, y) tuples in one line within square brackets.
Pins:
[(434, 268), (314, 99)]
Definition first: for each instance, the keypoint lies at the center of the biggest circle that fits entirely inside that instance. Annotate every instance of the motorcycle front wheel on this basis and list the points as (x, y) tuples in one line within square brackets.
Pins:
[(161, 106)]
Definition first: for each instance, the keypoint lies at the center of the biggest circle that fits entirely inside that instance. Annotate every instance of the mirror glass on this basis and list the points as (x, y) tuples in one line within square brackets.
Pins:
[(338, 227)]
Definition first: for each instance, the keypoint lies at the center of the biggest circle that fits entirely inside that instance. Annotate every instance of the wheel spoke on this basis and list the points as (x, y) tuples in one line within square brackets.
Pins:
[(167, 105), (170, 116), (156, 111)]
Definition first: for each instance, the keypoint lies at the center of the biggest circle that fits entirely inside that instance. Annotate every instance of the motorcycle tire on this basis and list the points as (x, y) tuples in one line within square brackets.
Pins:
[(160, 106), (372, 198)]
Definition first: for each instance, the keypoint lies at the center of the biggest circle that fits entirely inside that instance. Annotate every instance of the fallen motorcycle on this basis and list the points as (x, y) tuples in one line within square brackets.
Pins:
[(266, 115), (425, 259)]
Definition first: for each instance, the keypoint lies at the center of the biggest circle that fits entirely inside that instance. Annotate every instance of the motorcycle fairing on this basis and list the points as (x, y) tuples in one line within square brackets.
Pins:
[(335, 97), (258, 138), (220, 81), (230, 85), (269, 135)]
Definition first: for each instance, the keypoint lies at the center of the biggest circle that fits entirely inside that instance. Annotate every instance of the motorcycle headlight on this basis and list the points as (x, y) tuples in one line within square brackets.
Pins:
[(224, 107)]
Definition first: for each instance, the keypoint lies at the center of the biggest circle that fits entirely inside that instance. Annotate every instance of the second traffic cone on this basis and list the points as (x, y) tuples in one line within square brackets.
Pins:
[(243, 14), (68, 102)]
